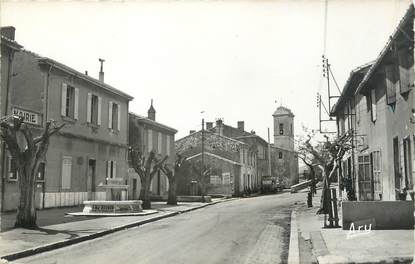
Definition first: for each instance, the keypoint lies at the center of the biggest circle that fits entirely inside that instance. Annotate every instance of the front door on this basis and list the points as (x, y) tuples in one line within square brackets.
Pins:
[(365, 178), (91, 179), (396, 167)]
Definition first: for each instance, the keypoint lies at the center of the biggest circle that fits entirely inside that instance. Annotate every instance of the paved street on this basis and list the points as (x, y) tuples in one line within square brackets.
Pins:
[(252, 230)]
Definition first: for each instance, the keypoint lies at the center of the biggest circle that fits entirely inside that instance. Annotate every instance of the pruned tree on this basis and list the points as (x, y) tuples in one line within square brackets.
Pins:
[(27, 151), (202, 173), (327, 156), (146, 168), (172, 175)]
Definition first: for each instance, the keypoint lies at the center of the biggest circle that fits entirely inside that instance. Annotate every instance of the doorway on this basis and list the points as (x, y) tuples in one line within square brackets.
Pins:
[(396, 167), (91, 179), (135, 196)]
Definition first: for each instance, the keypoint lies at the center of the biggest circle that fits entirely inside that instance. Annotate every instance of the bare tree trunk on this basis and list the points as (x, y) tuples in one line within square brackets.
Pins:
[(145, 193), (26, 210), (172, 196)]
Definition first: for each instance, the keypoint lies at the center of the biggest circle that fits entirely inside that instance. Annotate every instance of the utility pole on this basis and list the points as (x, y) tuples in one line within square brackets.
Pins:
[(203, 150), (269, 155)]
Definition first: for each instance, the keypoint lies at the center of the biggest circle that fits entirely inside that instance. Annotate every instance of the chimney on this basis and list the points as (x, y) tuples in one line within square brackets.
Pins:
[(219, 127), (151, 113), (192, 131), (101, 71), (209, 125), (241, 125), (8, 32), (86, 72)]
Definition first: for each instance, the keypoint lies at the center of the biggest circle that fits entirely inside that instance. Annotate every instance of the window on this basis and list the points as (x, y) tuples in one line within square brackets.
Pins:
[(111, 169), (13, 173), (114, 116), (94, 109), (280, 155), (406, 74), (392, 83), (66, 172), (226, 178), (168, 144), (365, 181), (69, 101), (377, 179), (41, 172), (150, 140), (373, 104), (281, 129), (159, 143)]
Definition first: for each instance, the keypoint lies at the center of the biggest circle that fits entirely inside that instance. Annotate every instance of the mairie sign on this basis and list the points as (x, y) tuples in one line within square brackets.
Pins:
[(29, 117)]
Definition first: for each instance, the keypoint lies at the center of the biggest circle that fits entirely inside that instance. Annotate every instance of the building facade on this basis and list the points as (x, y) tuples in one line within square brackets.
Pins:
[(284, 159), (226, 159), (145, 134), (377, 108), (8, 49), (89, 152)]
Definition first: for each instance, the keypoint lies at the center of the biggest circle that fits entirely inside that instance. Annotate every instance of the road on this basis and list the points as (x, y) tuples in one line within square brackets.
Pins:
[(250, 230)]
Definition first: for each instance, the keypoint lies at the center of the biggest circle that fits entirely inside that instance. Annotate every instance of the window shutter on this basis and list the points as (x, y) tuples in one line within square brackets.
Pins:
[(99, 110), (159, 142), (76, 103), (66, 172), (63, 105), (373, 100), (150, 140), (9, 167), (391, 83), (404, 70), (119, 118), (114, 169), (108, 169), (110, 114), (88, 108)]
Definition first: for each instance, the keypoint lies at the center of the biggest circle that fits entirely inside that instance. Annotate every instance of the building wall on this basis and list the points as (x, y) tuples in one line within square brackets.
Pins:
[(39, 89), (226, 149), (285, 169), (140, 135)]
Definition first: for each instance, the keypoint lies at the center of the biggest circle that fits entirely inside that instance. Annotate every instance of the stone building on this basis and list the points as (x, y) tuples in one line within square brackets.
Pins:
[(257, 155), (226, 158), (8, 49), (284, 161), (377, 109), (145, 134), (90, 152)]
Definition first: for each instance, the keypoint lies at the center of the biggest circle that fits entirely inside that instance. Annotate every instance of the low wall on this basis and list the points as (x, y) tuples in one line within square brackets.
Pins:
[(300, 186), (381, 214), (193, 199)]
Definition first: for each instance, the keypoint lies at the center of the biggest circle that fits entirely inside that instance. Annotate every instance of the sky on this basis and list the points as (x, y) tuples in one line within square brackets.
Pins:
[(235, 60)]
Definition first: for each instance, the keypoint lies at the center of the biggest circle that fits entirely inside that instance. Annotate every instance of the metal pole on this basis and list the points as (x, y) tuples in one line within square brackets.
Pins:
[(269, 155), (203, 151), (328, 82)]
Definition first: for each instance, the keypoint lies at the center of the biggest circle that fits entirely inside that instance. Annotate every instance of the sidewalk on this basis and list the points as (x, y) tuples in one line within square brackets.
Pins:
[(18, 243), (325, 245)]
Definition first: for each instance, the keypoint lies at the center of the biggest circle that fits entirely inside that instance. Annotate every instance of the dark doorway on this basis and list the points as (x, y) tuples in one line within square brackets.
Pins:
[(135, 196), (91, 179), (396, 167), (407, 161)]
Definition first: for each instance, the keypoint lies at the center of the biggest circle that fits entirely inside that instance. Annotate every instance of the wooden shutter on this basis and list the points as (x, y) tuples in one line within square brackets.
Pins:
[(108, 169), (88, 108), (75, 113), (99, 110), (168, 145), (63, 104), (110, 114), (404, 70), (66, 172), (114, 169), (119, 117), (150, 140), (391, 83), (159, 143), (373, 101)]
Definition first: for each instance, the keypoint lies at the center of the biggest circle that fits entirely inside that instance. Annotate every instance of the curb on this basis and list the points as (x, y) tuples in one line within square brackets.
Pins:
[(64, 243), (294, 247)]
